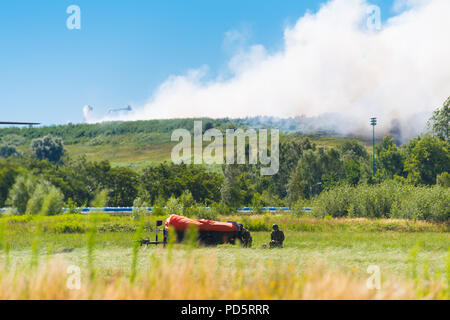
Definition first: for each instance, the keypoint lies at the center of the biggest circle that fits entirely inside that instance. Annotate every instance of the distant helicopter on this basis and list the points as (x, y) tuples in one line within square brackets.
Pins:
[(128, 108)]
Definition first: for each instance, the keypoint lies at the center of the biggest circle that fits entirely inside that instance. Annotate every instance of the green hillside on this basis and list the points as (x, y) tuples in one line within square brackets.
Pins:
[(135, 144)]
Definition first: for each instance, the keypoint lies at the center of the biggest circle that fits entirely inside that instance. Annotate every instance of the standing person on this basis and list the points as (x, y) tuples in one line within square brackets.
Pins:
[(277, 237), (246, 238)]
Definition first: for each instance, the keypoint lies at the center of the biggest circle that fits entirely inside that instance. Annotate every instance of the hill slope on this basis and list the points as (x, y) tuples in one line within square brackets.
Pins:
[(139, 143)]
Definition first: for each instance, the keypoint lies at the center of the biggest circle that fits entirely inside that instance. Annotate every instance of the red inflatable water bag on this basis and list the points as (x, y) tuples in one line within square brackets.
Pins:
[(182, 223)]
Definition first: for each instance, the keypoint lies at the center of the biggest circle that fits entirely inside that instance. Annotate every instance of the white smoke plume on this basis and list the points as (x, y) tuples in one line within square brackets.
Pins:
[(87, 110), (330, 63)]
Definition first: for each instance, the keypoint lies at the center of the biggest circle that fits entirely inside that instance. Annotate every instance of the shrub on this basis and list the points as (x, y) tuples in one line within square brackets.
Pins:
[(13, 140), (72, 207), (139, 209), (67, 226), (375, 201), (202, 212), (257, 203), (173, 206), (386, 200), (45, 200), (443, 179), (100, 199), (424, 203), (221, 209), (334, 202), (186, 199), (297, 208), (158, 207), (53, 202), (256, 224), (34, 204), (20, 193)]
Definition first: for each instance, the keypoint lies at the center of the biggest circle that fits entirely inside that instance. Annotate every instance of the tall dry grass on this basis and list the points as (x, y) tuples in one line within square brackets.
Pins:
[(186, 274)]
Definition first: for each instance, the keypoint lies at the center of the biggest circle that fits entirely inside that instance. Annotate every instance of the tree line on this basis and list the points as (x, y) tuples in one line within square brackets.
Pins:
[(49, 178)]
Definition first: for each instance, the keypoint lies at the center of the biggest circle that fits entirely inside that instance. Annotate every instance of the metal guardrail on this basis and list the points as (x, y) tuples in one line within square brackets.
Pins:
[(107, 210), (113, 210), (270, 209)]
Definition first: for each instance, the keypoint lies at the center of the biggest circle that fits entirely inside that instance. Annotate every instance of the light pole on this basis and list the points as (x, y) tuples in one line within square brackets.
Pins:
[(373, 123)]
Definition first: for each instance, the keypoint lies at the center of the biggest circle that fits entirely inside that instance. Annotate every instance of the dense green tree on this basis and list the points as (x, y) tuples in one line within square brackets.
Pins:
[(98, 175), (425, 159), (85, 179), (165, 180), (356, 163), (231, 194), (81, 180), (8, 173), (290, 153), (7, 151), (123, 187), (440, 121), (48, 147), (306, 179), (352, 172), (248, 182), (296, 187), (331, 170), (73, 178), (354, 149), (326, 168), (389, 158)]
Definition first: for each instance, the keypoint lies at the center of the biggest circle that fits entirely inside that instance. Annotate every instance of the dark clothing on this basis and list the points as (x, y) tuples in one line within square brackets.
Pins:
[(246, 239), (277, 238), (277, 235)]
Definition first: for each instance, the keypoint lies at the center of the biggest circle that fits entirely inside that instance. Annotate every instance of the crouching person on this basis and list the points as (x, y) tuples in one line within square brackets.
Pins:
[(277, 237)]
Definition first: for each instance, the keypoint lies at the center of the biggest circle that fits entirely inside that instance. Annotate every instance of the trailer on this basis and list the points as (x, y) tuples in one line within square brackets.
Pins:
[(209, 232)]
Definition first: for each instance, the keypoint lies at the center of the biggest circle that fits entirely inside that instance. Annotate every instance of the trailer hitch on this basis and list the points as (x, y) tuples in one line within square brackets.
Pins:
[(147, 241)]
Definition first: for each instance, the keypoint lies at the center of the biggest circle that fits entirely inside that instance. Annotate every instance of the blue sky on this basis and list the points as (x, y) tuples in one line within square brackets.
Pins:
[(124, 49)]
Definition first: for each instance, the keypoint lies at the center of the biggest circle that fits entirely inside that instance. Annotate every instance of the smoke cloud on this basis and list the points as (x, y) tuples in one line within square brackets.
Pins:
[(331, 63), (87, 114)]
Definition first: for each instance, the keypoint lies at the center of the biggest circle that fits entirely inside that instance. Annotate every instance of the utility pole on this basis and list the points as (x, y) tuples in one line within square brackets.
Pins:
[(373, 123)]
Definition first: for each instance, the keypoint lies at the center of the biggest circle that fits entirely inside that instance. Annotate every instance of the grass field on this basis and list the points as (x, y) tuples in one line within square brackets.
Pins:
[(313, 264), (343, 250)]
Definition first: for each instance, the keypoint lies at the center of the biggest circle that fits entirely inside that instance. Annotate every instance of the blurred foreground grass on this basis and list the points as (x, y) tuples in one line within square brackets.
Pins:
[(186, 273)]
